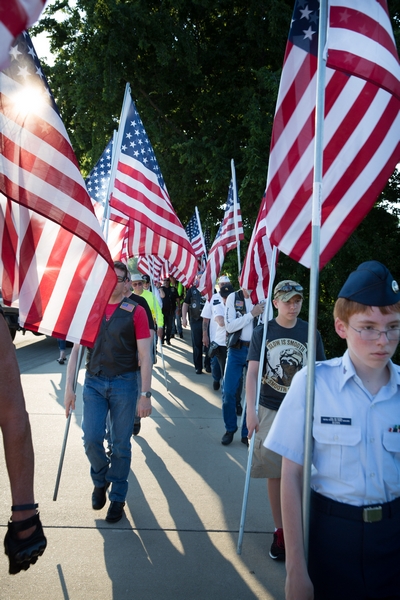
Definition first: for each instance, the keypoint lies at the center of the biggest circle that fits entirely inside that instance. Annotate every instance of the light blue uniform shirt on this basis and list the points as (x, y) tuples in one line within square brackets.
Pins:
[(356, 458)]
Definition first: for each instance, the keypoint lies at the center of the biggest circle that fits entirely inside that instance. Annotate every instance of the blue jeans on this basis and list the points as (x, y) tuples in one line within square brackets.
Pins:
[(118, 396), (62, 344), (235, 362), (177, 323)]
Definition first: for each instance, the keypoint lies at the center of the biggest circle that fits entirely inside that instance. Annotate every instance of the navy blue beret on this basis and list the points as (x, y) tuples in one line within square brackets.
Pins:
[(371, 284)]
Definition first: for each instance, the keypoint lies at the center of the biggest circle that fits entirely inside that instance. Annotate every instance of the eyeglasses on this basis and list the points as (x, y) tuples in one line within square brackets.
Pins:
[(121, 279), (136, 283), (288, 287), (370, 335)]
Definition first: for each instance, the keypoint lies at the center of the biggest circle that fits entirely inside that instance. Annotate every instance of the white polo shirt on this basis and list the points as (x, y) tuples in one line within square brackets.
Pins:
[(356, 450), (207, 313)]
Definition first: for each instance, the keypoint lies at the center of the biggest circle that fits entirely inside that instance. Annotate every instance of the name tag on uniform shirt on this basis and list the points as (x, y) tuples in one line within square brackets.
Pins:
[(216, 301), (127, 306), (336, 420)]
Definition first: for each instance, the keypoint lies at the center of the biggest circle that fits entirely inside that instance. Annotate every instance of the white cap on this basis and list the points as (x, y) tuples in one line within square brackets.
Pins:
[(224, 279)]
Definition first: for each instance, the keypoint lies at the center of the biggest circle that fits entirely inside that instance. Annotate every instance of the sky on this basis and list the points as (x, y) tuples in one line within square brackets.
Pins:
[(41, 42)]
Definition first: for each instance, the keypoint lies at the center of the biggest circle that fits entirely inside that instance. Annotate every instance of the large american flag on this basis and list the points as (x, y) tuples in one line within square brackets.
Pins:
[(140, 193), (361, 125), (257, 263), (229, 233), (15, 16), (195, 236), (114, 226), (54, 258)]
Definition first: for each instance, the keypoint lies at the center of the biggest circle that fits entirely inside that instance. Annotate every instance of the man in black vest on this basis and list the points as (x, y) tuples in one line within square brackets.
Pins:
[(111, 381), (240, 313), (193, 304)]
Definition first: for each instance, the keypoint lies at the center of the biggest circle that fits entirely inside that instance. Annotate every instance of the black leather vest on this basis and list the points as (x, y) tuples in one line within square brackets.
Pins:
[(115, 349)]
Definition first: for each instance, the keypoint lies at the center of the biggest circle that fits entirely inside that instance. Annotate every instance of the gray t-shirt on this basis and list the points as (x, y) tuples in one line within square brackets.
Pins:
[(285, 354)]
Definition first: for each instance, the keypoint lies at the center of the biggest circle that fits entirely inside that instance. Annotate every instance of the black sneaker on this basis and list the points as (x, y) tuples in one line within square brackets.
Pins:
[(216, 385), (277, 551), (227, 438), (99, 497), (115, 511)]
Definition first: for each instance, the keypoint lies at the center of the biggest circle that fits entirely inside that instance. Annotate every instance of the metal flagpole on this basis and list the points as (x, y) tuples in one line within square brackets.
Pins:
[(64, 444), (267, 317), (117, 144), (118, 141), (235, 203), (155, 300), (201, 231), (106, 213), (314, 270)]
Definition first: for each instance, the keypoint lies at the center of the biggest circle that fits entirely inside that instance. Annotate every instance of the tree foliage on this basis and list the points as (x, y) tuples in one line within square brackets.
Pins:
[(204, 75)]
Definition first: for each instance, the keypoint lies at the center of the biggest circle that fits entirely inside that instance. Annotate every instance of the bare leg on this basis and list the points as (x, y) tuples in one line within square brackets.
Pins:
[(14, 423), (18, 450), (274, 494)]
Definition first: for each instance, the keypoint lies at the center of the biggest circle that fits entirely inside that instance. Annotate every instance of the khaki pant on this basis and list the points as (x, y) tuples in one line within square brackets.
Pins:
[(265, 463)]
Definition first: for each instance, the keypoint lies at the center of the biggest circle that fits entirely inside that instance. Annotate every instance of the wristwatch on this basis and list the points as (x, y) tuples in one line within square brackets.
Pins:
[(147, 394)]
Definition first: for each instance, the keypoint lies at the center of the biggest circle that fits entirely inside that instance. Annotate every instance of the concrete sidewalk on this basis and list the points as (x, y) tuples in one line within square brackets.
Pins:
[(178, 537)]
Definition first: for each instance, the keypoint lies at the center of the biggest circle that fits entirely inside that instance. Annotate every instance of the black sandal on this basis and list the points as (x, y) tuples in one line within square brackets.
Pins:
[(22, 553), (61, 361)]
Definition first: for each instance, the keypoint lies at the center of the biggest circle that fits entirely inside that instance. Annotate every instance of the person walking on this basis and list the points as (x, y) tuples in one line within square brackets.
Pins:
[(193, 305), (240, 316), (286, 354), (354, 517), (111, 387)]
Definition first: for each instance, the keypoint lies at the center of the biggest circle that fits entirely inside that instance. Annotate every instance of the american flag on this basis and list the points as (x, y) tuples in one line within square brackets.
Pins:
[(257, 263), (54, 256), (15, 16), (195, 236), (361, 126), (229, 232), (140, 193), (114, 227)]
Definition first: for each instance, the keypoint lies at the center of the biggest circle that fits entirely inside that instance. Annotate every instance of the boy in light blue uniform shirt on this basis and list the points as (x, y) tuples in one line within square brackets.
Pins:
[(354, 542)]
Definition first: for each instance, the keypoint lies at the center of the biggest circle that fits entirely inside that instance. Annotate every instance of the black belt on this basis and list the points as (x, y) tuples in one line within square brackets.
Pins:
[(246, 344), (368, 514)]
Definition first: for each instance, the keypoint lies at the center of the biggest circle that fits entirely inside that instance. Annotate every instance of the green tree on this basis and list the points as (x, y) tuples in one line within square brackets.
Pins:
[(204, 75)]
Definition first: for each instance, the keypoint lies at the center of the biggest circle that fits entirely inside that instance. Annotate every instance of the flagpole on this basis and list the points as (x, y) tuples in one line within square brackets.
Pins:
[(314, 269), (155, 310), (201, 231), (120, 134), (235, 202), (267, 317), (106, 214), (64, 444)]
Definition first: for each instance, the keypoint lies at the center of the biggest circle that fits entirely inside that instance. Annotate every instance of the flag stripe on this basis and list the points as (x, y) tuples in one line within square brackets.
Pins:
[(225, 240), (55, 263), (361, 143), (139, 192)]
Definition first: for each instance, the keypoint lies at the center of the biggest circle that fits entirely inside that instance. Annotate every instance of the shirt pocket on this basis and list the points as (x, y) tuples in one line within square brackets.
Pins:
[(391, 464), (337, 451)]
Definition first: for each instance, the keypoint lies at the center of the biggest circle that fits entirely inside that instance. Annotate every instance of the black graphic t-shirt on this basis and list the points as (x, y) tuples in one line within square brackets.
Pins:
[(285, 355)]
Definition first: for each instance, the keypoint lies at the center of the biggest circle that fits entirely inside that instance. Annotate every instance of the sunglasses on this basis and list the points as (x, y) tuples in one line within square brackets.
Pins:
[(121, 279), (288, 287), (136, 283)]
